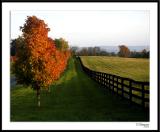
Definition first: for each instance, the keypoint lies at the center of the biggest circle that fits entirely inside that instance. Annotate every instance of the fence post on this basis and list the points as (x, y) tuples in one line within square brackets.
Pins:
[(130, 91), (106, 80), (102, 79), (94, 75), (98, 77), (143, 99), (122, 81), (106, 76), (90, 74), (109, 83), (113, 83), (117, 84)]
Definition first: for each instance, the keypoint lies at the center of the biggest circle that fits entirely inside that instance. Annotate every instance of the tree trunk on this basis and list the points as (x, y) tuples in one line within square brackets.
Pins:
[(38, 96), (49, 89)]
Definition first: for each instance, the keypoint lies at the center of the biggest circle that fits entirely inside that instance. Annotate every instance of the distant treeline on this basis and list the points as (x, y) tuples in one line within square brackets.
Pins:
[(124, 51)]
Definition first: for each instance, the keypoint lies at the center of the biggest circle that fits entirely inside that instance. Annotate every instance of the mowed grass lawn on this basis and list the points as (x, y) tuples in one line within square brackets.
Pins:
[(134, 68), (74, 97)]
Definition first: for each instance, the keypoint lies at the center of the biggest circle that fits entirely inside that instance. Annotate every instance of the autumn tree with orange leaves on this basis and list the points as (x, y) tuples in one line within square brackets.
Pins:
[(124, 51), (38, 62)]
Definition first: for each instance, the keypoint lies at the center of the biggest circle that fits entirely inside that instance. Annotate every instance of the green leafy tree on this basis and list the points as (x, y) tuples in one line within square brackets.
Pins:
[(61, 44), (13, 47)]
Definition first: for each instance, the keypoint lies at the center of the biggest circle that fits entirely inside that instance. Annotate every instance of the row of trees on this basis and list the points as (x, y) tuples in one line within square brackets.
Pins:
[(39, 60), (91, 51), (124, 51)]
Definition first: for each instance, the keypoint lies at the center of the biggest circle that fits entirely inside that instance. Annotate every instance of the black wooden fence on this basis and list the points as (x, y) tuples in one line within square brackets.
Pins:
[(136, 91)]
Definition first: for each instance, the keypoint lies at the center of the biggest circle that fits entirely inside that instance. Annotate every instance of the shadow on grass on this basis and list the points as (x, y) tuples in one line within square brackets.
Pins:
[(75, 97)]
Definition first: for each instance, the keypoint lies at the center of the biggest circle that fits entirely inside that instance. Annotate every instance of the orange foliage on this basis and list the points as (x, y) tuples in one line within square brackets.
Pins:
[(43, 62)]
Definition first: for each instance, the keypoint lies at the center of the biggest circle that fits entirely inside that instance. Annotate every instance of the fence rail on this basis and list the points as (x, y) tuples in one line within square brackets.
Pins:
[(136, 91)]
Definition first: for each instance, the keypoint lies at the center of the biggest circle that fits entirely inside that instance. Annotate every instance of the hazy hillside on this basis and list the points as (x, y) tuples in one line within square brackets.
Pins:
[(116, 49)]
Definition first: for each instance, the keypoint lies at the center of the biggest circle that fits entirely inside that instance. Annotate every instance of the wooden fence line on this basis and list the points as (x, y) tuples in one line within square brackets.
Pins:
[(127, 88)]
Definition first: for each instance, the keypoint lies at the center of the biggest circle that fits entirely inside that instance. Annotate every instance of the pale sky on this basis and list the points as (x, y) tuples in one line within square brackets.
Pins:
[(91, 28)]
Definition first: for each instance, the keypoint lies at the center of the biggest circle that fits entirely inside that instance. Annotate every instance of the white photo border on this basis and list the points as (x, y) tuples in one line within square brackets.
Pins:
[(7, 125)]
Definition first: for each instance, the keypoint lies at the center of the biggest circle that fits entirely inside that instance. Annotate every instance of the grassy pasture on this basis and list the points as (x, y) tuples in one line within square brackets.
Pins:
[(74, 97), (134, 68)]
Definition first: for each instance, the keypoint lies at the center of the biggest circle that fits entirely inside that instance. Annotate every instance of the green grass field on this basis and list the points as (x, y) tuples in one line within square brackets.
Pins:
[(74, 97), (136, 69)]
